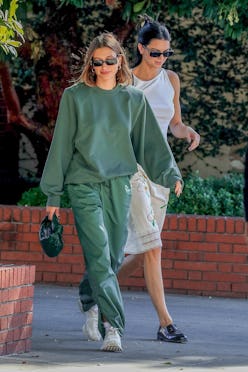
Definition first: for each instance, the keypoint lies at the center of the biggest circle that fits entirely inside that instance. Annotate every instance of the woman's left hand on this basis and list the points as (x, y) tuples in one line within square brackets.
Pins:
[(193, 138), (178, 188)]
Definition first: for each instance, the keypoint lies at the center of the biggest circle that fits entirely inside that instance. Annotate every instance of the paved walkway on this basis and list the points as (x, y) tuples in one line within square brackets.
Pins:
[(217, 329)]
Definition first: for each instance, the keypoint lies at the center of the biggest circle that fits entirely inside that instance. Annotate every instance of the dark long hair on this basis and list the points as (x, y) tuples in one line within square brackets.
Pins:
[(150, 29)]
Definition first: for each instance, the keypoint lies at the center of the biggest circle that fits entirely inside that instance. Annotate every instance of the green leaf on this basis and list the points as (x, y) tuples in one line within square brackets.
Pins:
[(137, 8)]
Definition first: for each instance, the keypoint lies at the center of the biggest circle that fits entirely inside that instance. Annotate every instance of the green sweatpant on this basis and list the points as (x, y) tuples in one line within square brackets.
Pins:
[(101, 215)]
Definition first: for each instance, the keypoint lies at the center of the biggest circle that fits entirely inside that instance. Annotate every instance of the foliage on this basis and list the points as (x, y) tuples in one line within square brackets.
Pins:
[(76, 3), (35, 197), (11, 31), (214, 84), (210, 196), (212, 68), (231, 15)]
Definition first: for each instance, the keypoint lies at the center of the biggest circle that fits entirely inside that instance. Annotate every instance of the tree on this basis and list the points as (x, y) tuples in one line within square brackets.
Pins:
[(56, 30), (11, 30)]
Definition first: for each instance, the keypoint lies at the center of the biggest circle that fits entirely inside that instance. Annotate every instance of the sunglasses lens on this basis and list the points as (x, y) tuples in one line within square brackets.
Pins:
[(168, 53), (97, 62), (155, 54), (100, 62), (111, 61)]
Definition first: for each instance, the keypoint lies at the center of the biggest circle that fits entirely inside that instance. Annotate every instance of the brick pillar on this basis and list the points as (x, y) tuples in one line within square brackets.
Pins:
[(16, 308)]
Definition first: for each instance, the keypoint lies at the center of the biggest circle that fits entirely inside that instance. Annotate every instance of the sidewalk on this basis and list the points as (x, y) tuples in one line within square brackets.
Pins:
[(217, 329)]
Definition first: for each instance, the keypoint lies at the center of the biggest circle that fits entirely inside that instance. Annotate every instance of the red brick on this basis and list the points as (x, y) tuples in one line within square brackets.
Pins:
[(174, 274), (223, 277), (174, 255), (240, 248), (167, 264), (16, 347), (71, 239), (196, 256), (195, 275), (242, 269), (211, 227), (34, 228), (201, 224), (26, 215), (7, 226), (26, 305), (182, 223), (16, 214), (240, 227), (68, 230), (3, 350), (177, 235), (195, 285), (222, 257), (224, 287), (3, 323), (69, 278), (20, 319), (186, 238), (230, 226), (172, 221), (3, 336), (77, 269), (35, 216), (225, 267), (202, 266), (135, 282), (224, 238), (192, 223), (224, 247), (7, 213), (220, 225), (54, 267), (240, 287), (197, 237), (196, 246)]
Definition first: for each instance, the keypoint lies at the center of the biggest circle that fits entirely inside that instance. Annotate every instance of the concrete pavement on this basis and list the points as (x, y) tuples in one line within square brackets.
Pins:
[(217, 329)]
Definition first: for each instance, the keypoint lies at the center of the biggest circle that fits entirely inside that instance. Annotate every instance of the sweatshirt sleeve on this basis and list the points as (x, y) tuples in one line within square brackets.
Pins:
[(61, 151), (151, 149)]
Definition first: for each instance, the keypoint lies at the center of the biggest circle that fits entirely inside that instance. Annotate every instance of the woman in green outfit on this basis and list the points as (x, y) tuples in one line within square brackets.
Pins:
[(104, 127)]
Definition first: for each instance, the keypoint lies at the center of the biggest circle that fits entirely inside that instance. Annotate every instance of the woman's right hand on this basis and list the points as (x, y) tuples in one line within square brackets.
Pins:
[(51, 210)]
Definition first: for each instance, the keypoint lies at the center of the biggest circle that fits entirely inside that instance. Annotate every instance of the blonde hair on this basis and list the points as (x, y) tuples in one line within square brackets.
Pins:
[(106, 39)]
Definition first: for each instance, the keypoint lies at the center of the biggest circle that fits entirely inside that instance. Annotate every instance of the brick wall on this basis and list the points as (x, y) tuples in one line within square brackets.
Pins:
[(202, 255), (16, 308)]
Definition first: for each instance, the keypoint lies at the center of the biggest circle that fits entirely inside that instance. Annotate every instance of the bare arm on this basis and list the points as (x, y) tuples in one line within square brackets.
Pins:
[(177, 127)]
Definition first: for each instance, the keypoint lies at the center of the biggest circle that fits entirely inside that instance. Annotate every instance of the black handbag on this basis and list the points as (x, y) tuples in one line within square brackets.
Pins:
[(50, 236)]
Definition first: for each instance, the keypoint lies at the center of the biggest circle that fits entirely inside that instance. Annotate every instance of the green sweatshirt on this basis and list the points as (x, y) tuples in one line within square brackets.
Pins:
[(103, 134)]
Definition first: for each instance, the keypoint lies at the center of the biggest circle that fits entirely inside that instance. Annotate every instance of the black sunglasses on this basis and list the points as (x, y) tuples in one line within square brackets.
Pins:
[(108, 61), (165, 53)]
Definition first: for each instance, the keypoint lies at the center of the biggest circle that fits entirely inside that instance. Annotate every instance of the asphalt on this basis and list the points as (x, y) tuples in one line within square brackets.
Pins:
[(217, 329)]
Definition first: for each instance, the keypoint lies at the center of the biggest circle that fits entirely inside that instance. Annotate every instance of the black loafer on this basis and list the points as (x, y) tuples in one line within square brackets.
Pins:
[(171, 334)]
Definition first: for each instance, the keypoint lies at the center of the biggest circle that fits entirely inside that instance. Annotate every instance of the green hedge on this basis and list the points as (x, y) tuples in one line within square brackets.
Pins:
[(209, 196)]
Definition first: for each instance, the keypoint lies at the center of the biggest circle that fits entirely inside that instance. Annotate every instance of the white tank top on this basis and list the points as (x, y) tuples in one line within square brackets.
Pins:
[(160, 94)]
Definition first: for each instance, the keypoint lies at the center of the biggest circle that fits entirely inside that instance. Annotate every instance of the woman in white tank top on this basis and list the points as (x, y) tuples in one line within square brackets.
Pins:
[(149, 201)]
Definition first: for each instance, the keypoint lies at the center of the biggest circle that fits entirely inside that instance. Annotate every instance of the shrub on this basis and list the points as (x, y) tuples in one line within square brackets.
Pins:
[(209, 196), (35, 197)]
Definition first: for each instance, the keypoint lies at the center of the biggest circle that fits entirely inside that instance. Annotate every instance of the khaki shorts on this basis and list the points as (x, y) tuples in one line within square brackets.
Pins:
[(147, 213)]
